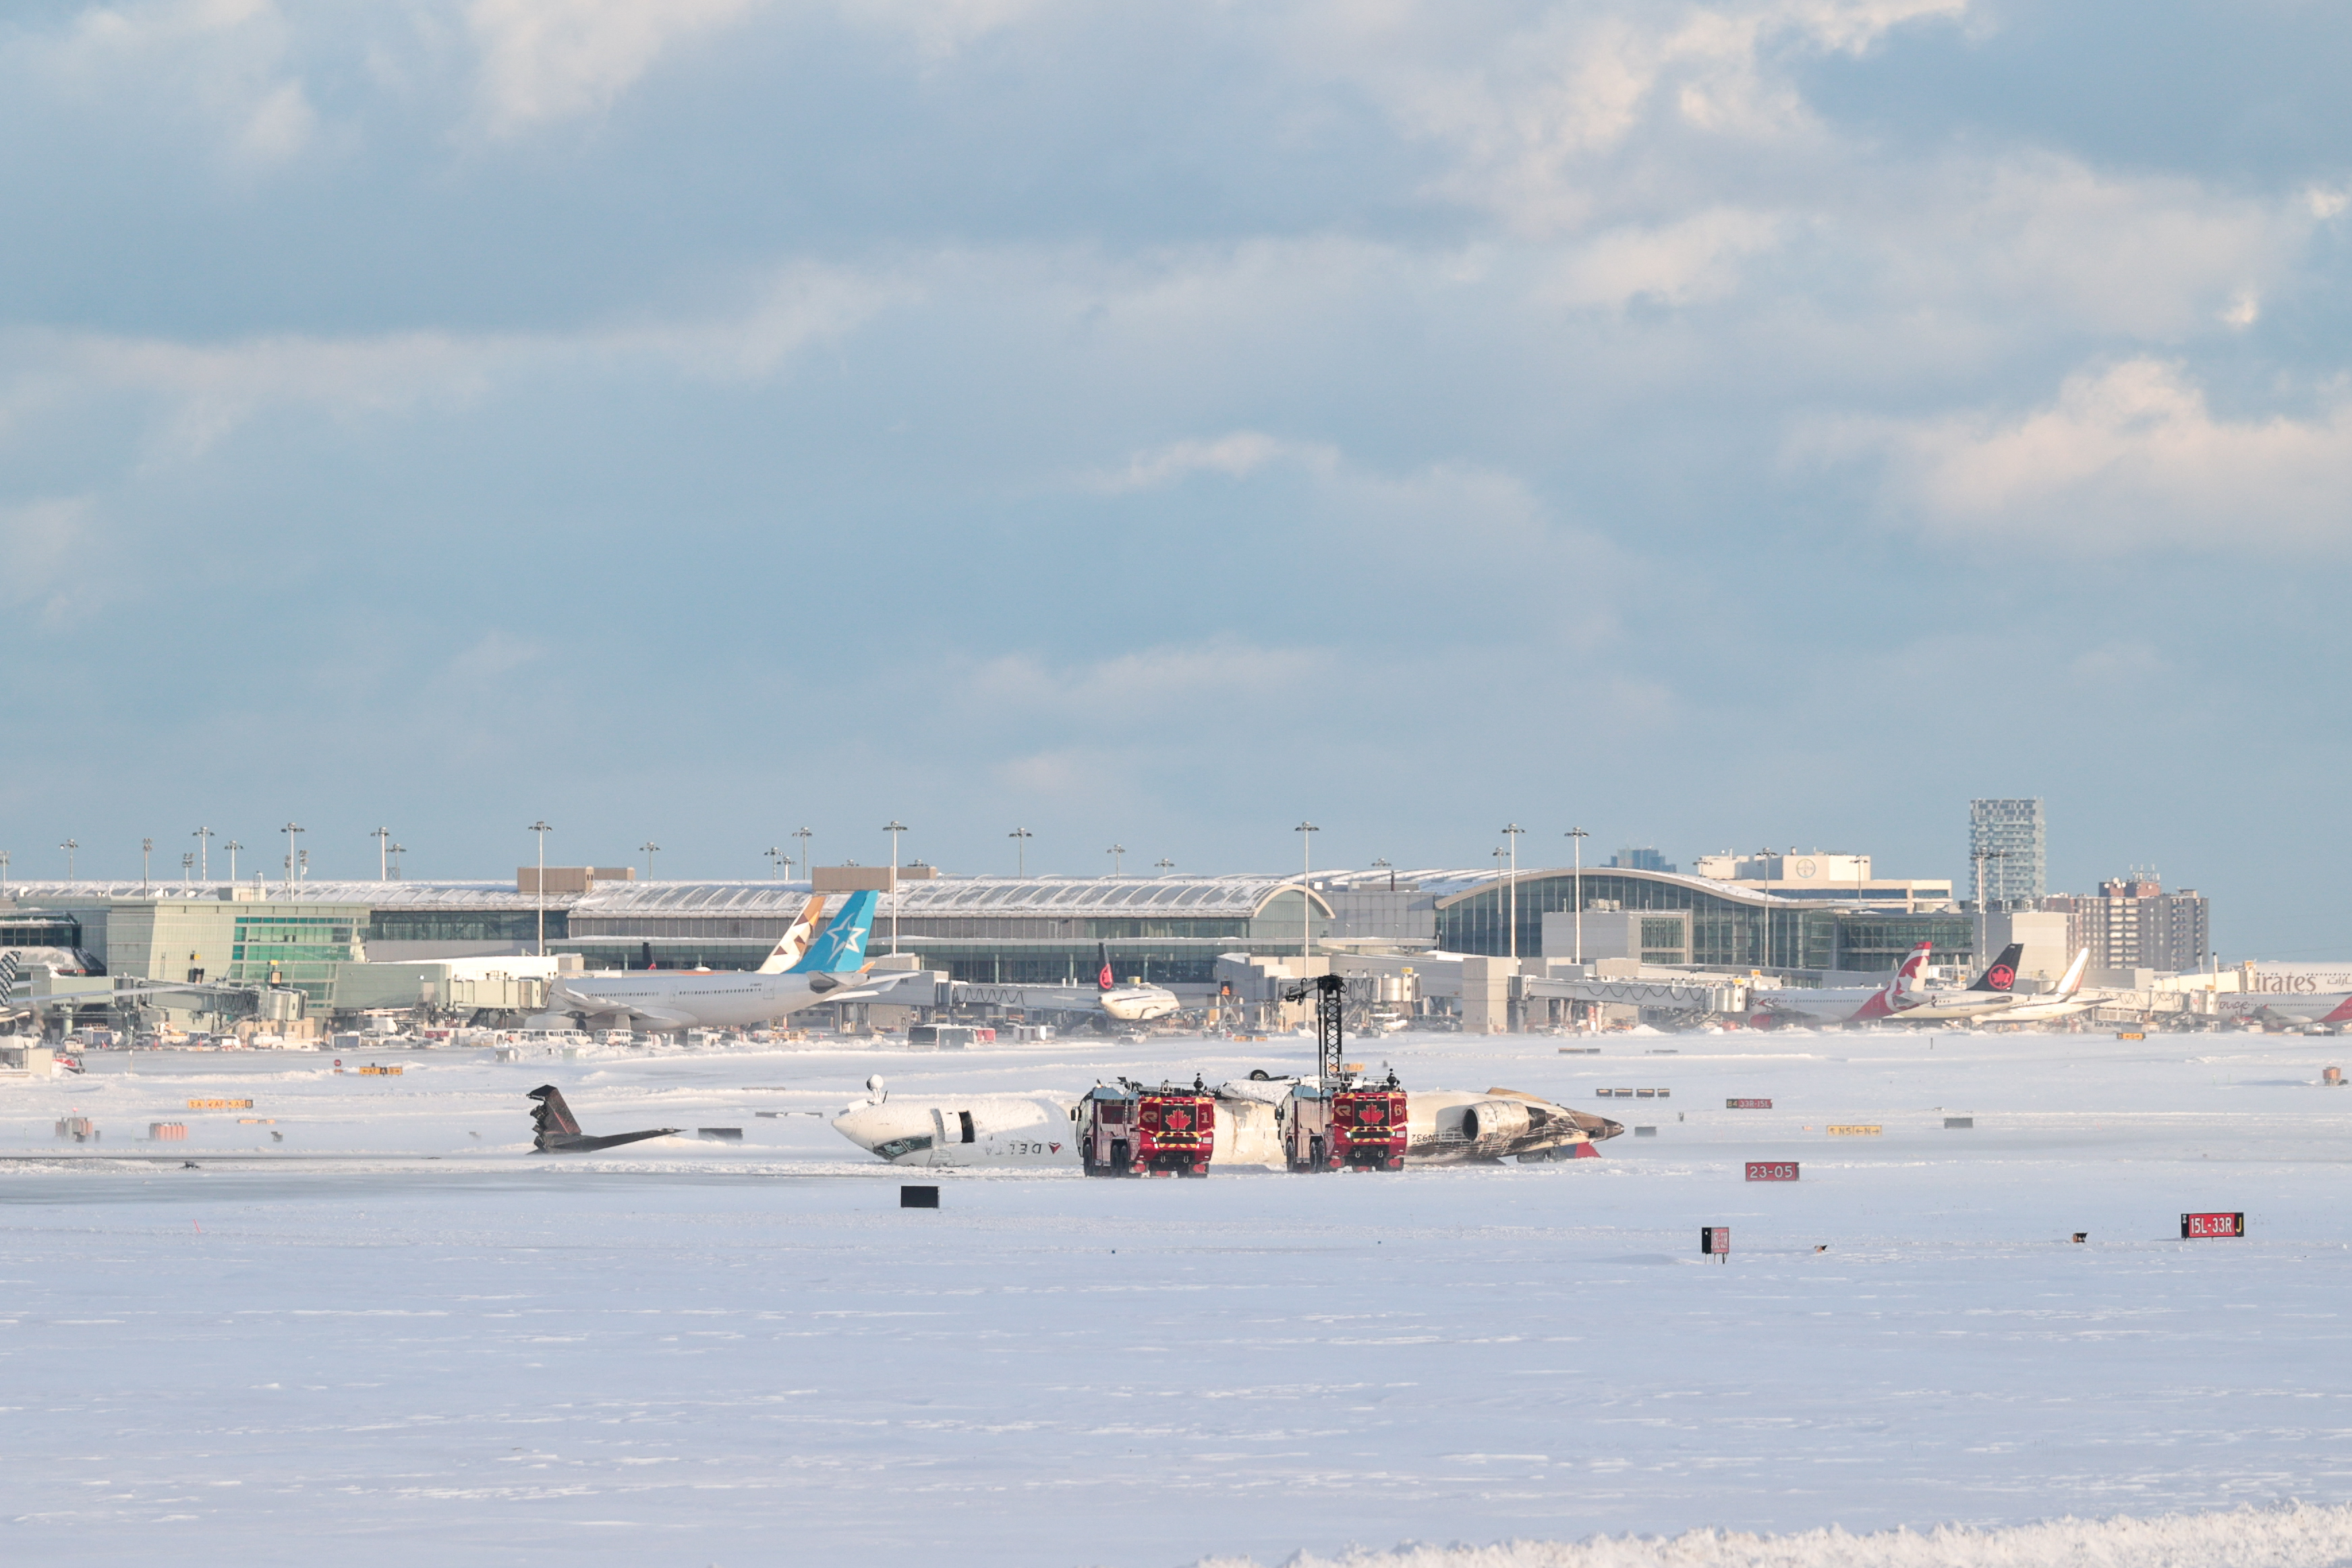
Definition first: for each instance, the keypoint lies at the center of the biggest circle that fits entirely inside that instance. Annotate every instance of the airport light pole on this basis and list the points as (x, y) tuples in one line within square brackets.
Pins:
[(1021, 837), (894, 827), (3, 872), (1164, 864), (1981, 856), (539, 888), (290, 830), (807, 864), (203, 837), (1513, 829), (69, 846), (1305, 832), (1577, 837), (383, 837), (232, 847), (146, 853), (187, 867), (398, 851), (773, 854), (649, 847), (1117, 853)]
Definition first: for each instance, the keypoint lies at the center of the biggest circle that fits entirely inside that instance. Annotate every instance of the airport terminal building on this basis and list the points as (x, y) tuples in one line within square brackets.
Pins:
[(352, 946)]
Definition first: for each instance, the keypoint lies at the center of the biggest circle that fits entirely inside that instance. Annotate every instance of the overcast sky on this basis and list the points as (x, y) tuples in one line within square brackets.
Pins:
[(1715, 425)]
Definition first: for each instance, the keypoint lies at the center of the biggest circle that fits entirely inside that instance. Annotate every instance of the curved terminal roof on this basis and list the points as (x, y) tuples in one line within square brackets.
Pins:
[(1475, 883), (1097, 897)]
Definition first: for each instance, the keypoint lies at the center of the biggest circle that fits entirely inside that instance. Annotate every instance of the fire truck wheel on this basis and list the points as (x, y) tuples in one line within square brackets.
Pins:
[(1315, 1158), (1201, 1170)]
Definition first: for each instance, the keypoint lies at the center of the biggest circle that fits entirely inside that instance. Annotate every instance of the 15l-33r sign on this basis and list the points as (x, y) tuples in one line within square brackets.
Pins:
[(2197, 1225)]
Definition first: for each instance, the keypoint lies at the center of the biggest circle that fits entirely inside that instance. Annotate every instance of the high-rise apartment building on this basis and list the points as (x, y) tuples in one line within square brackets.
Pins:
[(2013, 838), (2133, 924)]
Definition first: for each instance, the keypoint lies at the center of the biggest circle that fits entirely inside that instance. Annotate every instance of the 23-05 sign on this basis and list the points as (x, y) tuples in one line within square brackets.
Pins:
[(1772, 1170)]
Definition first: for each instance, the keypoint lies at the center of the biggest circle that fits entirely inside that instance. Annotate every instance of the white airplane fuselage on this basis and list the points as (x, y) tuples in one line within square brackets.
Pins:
[(1442, 1128), (666, 1000), (1137, 1004)]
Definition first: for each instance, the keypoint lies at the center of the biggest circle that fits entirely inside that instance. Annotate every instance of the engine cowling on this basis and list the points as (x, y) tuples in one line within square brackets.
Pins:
[(1494, 1121)]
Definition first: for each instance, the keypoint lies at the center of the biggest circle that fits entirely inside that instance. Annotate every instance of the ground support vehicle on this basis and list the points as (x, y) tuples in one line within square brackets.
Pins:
[(1128, 1130), (1351, 1127)]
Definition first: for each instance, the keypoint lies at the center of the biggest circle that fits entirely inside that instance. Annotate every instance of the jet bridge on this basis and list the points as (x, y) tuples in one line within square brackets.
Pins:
[(1692, 995)]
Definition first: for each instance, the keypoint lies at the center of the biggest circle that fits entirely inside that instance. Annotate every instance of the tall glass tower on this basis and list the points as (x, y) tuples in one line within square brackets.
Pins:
[(2020, 832)]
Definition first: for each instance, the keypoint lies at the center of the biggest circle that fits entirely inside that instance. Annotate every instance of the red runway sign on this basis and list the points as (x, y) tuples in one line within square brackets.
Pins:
[(1772, 1170), (1747, 1105), (2197, 1225), (1715, 1240)]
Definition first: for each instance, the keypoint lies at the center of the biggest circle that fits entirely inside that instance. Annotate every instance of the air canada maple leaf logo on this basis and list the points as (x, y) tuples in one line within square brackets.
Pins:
[(2003, 976)]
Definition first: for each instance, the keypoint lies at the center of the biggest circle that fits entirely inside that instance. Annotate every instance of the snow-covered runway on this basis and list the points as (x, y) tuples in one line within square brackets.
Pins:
[(705, 1354)]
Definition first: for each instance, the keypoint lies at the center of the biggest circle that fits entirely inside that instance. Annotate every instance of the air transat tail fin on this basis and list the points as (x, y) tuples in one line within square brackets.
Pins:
[(2000, 974), (794, 946), (840, 948)]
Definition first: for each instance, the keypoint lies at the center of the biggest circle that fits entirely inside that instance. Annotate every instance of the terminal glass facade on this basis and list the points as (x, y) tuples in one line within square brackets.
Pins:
[(1725, 932), (297, 950), (457, 924)]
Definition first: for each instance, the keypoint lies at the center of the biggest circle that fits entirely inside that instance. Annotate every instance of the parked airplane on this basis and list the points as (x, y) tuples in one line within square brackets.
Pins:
[(1443, 1127), (2066, 1002), (1837, 1004), (1131, 1003), (832, 970), (1990, 992), (2318, 1009), (559, 1129)]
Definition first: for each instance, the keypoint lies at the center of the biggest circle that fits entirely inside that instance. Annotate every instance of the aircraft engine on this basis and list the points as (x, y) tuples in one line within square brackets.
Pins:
[(1494, 1121)]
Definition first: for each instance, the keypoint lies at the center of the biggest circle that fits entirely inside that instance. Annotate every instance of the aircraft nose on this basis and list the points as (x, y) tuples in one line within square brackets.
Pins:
[(871, 1127)]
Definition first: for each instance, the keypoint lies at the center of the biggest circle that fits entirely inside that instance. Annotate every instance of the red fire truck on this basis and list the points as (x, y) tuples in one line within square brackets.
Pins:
[(1353, 1127), (1128, 1130)]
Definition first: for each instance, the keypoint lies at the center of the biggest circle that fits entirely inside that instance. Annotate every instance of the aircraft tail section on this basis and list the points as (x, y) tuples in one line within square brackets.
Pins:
[(1911, 965), (840, 948), (9, 969), (1104, 979), (794, 946), (553, 1118), (2000, 974), (2072, 980)]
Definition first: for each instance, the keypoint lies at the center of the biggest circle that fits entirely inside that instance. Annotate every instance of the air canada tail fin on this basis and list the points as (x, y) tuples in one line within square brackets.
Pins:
[(840, 948), (796, 938), (2000, 974), (553, 1117), (1911, 965), (1104, 979)]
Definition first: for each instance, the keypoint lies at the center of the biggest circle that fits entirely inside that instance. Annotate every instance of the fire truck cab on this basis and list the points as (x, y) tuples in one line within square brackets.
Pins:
[(1355, 1126), (1128, 1130)]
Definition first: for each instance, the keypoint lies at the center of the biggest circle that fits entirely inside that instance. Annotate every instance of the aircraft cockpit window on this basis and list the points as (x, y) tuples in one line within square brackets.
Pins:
[(965, 1117), (897, 1146)]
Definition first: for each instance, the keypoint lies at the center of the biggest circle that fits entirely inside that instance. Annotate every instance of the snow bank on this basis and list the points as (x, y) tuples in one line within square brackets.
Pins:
[(2294, 1536)]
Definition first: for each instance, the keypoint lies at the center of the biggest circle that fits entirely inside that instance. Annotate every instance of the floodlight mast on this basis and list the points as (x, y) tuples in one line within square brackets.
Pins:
[(1331, 993)]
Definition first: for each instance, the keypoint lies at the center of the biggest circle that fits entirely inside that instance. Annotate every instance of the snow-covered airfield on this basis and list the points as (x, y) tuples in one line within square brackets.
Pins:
[(399, 1337)]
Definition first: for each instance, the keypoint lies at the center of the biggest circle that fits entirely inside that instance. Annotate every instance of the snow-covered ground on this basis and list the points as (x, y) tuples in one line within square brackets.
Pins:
[(398, 1337)]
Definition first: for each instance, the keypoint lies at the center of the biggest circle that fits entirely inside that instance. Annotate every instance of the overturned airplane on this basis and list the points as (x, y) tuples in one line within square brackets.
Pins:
[(1445, 1127), (559, 1129)]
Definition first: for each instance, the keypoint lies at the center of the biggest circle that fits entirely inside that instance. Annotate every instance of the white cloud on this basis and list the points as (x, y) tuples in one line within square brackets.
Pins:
[(1236, 457), (2130, 457), (1694, 258), (548, 59), (206, 391), (1532, 114), (50, 549)]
